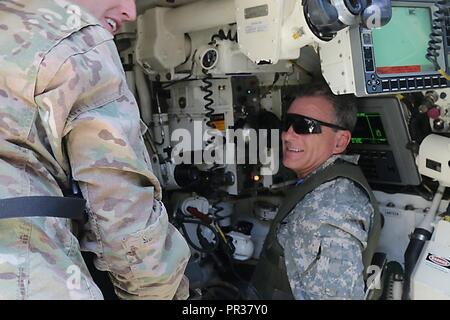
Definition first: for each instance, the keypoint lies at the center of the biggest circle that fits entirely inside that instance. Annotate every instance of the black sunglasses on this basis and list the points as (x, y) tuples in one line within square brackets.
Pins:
[(305, 125)]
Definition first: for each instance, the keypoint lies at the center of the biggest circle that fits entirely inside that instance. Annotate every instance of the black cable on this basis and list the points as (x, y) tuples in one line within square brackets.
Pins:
[(447, 211), (213, 291), (206, 245), (229, 251), (209, 101), (219, 209), (248, 284), (191, 71), (269, 88), (222, 36), (436, 36), (154, 141), (181, 220), (148, 137)]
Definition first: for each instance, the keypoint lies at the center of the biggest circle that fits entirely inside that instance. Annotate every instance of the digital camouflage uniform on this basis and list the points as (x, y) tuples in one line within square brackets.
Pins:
[(65, 106), (331, 222)]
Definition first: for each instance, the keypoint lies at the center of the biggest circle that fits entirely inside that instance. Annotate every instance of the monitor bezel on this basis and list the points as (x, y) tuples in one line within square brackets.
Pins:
[(393, 116), (441, 57), (369, 83)]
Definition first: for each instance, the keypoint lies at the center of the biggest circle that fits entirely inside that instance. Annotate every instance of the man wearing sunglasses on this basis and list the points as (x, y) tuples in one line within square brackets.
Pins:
[(324, 234)]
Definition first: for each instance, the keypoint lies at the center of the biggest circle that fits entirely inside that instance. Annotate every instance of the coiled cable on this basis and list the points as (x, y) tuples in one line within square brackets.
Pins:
[(208, 93), (221, 35), (436, 36)]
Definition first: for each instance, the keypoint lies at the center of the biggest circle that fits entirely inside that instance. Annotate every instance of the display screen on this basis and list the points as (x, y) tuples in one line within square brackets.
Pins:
[(369, 129), (401, 45)]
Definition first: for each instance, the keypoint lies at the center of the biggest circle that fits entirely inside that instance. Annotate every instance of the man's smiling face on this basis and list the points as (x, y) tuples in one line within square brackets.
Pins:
[(303, 153), (111, 13)]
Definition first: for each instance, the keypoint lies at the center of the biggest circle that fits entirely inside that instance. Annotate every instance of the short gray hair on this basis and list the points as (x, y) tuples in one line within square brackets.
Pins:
[(344, 105)]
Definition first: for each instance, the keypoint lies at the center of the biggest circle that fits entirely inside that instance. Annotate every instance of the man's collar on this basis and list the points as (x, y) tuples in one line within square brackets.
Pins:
[(343, 157)]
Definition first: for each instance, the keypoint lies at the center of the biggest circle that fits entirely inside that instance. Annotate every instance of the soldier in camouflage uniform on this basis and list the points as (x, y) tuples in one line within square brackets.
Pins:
[(65, 107), (323, 236)]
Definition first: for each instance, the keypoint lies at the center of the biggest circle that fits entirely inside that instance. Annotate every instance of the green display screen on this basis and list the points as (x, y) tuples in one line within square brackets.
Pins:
[(401, 45), (369, 129)]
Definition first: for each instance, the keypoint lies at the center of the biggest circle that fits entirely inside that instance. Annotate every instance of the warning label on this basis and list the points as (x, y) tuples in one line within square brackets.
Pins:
[(218, 121), (438, 261)]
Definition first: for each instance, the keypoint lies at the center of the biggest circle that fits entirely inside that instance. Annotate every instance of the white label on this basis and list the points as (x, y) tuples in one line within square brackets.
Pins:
[(257, 27)]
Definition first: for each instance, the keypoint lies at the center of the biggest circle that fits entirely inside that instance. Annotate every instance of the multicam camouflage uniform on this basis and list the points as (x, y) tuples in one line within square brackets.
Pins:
[(331, 222), (65, 106)]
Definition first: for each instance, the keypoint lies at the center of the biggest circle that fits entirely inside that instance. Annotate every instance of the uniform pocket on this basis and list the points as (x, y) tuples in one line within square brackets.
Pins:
[(307, 254), (336, 272), (144, 247), (157, 256)]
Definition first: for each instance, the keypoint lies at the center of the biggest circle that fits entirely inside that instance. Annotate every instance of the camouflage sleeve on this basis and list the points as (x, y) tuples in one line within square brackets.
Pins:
[(324, 240), (97, 120)]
